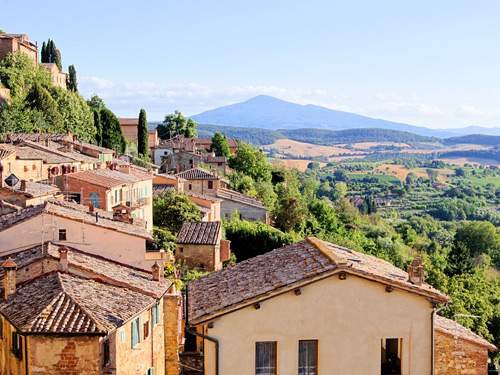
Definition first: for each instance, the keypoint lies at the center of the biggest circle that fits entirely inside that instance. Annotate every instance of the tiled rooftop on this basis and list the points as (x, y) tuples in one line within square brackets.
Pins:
[(454, 329), (232, 195), (35, 189), (28, 152), (63, 303), (104, 177), (77, 212), (197, 174), (286, 267), (199, 233)]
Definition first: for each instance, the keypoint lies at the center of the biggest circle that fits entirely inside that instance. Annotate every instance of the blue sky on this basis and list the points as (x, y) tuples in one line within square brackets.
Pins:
[(429, 63)]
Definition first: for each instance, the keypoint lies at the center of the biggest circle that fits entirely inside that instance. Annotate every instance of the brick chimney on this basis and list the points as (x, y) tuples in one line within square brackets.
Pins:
[(63, 259), (157, 272), (9, 278), (23, 185), (416, 271), (225, 250)]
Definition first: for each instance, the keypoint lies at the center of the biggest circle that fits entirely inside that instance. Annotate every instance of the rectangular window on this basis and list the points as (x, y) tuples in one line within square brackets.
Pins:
[(265, 358), (17, 345), (190, 187), (391, 356), (308, 357), (62, 234), (106, 358), (210, 184), (155, 314), (136, 332), (122, 335), (145, 330)]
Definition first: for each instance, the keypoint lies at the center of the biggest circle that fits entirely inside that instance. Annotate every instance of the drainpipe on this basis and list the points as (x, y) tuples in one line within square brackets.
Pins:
[(433, 349), (203, 336)]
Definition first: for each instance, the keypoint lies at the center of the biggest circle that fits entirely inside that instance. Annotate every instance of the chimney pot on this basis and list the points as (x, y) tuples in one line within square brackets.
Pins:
[(9, 278), (416, 271), (157, 272), (63, 259)]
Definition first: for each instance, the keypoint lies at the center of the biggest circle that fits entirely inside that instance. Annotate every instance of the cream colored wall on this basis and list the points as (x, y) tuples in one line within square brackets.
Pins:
[(348, 318), (111, 244), (30, 170), (9, 364), (148, 353)]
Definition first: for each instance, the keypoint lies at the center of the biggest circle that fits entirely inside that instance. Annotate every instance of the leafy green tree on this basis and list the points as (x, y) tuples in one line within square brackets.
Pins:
[(480, 237), (252, 238), (172, 209), (290, 210), (176, 124), (72, 83), (51, 54), (432, 174), (251, 162), (40, 99), (163, 239), (96, 103), (112, 136), (142, 134), (410, 180), (97, 126), (339, 191), (220, 145), (341, 175)]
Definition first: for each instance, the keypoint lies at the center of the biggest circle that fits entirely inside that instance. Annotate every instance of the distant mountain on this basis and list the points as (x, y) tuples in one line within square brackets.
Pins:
[(271, 113), (471, 130), (475, 139)]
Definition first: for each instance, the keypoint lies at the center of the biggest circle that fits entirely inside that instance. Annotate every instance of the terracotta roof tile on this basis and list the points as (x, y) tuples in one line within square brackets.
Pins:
[(197, 174), (454, 329), (74, 211), (232, 195), (199, 233), (104, 177), (287, 267)]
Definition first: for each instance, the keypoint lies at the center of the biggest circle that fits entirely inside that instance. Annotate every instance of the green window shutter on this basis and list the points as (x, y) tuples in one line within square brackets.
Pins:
[(134, 333)]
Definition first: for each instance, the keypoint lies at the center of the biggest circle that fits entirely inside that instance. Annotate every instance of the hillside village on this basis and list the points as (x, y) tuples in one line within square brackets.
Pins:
[(159, 252)]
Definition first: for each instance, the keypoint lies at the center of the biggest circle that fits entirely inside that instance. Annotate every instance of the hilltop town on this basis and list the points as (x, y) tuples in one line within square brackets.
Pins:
[(126, 249)]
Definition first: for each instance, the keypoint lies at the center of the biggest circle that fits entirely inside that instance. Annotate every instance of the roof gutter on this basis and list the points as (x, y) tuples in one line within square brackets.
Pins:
[(193, 331)]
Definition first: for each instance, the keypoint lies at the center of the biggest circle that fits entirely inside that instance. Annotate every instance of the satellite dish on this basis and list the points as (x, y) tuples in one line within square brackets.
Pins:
[(12, 180)]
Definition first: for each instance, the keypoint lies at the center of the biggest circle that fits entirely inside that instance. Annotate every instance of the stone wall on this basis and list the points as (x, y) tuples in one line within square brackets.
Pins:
[(172, 320), (459, 357), (64, 355), (247, 212), (205, 257)]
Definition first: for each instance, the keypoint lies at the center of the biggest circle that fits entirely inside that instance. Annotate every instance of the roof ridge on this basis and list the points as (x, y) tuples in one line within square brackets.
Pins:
[(89, 314), (317, 243)]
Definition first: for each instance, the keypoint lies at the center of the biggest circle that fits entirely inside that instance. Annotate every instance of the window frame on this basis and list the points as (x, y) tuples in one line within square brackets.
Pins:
[(275, 347), (106, 353), (400, 352), (316, 357), (62, 234), (135, 326)]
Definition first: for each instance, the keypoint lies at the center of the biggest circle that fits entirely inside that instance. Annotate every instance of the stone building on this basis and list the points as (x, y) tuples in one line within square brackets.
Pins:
[(201, 181), (27, 193), (82, 227), (11, 43), (248, 208), (200, 246), (107, 189), (63, 311), (314, 305), (129, 128), (458, 350), (209, 206), (58, 77)]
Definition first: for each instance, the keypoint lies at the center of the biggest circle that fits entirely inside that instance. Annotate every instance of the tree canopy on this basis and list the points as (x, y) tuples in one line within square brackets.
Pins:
[(220, 145), (172, 208), (176, 124)]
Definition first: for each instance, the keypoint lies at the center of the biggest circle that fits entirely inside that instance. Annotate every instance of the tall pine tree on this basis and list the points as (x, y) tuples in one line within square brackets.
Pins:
[(142, 134)]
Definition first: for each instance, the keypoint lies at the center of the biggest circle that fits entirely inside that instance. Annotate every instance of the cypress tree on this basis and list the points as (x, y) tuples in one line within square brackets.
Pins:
[(98, 127), (43, 54), (72, 83), (142, 134), (112, 136), (57, 57)]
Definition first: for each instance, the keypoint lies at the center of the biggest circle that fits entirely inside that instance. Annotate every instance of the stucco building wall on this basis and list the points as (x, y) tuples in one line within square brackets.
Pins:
[(119, 246), (349, 318), (247, 212)]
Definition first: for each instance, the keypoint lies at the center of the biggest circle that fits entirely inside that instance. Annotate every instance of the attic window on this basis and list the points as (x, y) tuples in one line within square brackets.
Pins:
[(62, 234)]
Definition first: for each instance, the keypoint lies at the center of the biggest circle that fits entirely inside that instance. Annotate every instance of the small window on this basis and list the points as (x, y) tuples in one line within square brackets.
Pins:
[(308, 357), (62, 234), (190, 187), (122, 335), (210, 184), (106, 358), (136, 332), (391, 356), (265, 358), (17, 345), (145, 330), (155, 314)]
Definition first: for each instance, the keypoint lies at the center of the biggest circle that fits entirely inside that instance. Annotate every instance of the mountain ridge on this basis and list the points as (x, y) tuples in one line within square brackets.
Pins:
[(268, 112)]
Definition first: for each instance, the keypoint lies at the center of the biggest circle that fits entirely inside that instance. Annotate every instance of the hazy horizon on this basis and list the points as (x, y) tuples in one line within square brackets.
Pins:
[(425, 64)]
